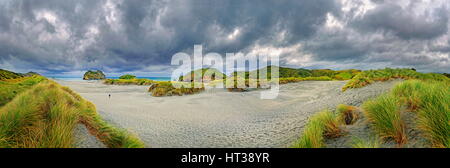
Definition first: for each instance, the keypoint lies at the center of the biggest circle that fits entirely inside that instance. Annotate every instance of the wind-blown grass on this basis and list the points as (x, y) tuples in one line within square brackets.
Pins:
[(45, 116), (431, 101), (385, 117), (320, 126), (370, 76), (9, 88)]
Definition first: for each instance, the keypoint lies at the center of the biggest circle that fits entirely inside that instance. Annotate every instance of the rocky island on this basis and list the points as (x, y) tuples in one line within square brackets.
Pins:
[(94, 75)]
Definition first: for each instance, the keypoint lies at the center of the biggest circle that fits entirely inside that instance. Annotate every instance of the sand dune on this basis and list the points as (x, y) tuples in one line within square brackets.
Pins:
[(217, 118)]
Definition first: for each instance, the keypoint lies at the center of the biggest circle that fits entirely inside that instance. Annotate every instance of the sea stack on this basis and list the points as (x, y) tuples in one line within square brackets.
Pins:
[(94, 75)]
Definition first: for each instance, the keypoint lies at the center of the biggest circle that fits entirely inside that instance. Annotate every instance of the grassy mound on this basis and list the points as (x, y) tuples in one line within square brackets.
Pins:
[(133, 81), (204, 74), (370, 76), (167, 89), (45, 116)]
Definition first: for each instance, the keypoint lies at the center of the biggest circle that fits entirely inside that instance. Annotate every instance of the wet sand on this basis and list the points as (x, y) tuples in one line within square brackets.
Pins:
[(216, 118)]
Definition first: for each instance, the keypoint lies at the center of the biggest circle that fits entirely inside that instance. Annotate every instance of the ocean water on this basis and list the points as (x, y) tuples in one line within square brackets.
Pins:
[(81, 79)]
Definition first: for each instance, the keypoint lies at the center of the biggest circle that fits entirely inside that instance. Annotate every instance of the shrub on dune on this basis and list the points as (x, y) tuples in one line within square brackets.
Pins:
[(322, 125), (385, 117)]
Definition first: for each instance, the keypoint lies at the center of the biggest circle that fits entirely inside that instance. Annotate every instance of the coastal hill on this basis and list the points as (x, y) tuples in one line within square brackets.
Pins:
[(94, 75), (5, 74), (285, 72)]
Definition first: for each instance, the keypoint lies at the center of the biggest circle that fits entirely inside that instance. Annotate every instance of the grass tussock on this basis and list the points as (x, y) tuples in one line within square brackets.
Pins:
[(320, 126), (430, 101), (368, 77), (385, 116), (167, 89), (347, 114), (45, 116)]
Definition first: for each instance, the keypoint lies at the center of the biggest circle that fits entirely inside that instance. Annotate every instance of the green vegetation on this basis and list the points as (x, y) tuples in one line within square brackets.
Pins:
[(322, 125), (94, 75), (9, 88), (446, 74), (204, 74), (301, 73), (127, 76), (45, 116), (361, 143), (431, 102), (134, 81), (167, 89), (370, 76), (299, 79), (4, 74), (385, 116), (347, 114)]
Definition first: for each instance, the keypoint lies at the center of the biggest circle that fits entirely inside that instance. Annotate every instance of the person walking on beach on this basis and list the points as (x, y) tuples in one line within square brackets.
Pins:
[(109, 95)]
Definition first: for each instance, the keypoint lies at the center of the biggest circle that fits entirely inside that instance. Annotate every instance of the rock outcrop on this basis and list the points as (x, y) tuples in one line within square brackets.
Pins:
[(94, 75)]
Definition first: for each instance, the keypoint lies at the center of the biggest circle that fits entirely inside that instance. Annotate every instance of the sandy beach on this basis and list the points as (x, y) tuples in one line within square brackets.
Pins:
[(216, 118)]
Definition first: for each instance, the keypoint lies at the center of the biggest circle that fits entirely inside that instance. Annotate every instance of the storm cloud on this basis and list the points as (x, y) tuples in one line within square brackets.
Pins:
[(67, 37)]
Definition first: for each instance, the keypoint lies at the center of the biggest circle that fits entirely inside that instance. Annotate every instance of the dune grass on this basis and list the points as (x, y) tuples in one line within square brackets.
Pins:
[(431, 102), (9, 88), (365, 143), (320, 126), (132, 81), (45, 116), (368, 77), (386, 118), (295, 80), (167, 89), (347, 114)]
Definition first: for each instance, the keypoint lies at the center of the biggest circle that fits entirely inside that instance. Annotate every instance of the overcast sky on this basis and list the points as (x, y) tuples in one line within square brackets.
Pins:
[(68, 37)]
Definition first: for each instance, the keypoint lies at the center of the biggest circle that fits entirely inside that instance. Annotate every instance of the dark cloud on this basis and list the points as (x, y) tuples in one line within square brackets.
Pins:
[(403, 22), (65, 36)]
